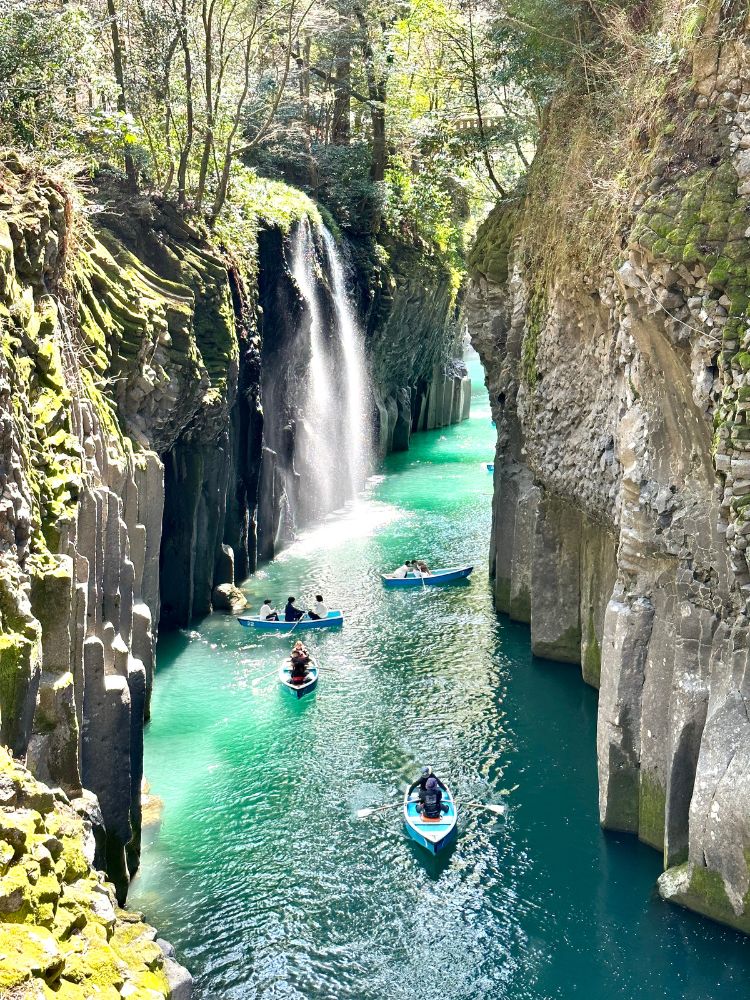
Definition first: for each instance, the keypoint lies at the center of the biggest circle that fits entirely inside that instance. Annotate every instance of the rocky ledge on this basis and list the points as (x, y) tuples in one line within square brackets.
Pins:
[(621, 393), (62, 933)]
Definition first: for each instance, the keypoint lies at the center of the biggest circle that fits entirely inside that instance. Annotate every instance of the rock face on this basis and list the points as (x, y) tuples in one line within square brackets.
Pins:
[(623, 473), (61, 930), (149, 456), (415, 345)]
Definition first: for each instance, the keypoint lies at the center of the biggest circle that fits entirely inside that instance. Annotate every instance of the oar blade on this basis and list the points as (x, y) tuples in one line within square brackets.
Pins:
[(499, 810), (364, 813)]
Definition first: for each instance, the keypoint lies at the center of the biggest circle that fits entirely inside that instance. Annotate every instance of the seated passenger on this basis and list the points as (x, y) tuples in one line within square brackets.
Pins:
[(402, 571), (318, 610), (432, 805), (268, 613), (292, 614)]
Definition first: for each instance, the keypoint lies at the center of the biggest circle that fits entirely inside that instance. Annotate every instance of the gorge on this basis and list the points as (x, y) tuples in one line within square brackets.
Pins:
[(243, 251)]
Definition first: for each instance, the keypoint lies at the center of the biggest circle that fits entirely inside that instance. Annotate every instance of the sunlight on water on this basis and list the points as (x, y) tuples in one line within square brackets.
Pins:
[(259, 871)]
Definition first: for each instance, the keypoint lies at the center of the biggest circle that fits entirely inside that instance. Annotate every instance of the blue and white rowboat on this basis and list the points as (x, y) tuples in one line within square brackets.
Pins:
[(299, 690), (431, 580), (334, 619), (432, 834)]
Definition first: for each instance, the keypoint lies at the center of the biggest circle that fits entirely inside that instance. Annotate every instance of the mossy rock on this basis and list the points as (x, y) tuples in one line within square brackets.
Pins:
[(27, 952)]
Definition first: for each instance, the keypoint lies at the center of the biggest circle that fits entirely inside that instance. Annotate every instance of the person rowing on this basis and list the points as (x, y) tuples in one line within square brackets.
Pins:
[(299, 659), (419, 566), (292, 613), (318, 610), (422, 780)]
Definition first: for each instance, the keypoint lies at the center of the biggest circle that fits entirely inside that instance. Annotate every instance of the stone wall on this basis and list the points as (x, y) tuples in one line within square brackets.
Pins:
[(621, 479)]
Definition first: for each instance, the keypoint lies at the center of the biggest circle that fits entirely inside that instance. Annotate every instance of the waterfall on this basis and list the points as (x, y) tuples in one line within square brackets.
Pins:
[(334, 442), (319, 417), (358, 448)]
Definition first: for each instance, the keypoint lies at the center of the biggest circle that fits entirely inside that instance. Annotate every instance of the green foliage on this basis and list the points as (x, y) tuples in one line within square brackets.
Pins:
[(43, 47)]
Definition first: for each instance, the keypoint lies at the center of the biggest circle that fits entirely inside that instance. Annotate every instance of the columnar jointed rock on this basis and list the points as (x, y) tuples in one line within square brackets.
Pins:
[(61, 931), (622, 483)]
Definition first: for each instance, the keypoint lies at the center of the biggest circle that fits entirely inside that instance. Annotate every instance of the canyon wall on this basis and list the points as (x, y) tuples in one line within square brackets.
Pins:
[(151, 418), (622, 479)]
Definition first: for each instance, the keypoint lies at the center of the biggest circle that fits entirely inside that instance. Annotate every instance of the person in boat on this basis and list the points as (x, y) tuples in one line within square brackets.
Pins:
[(267, 612), (421, 565), (402, 572), (431, 805), (292, 614), (422, 780), (318, 610), (299, 658)]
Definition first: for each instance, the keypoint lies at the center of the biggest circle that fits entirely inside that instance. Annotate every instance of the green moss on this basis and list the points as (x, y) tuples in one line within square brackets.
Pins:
[(490, 253), (502, 594), (536, 313), (566, 647), (520, 606), (592, 654), (706, 894), (652, 800)]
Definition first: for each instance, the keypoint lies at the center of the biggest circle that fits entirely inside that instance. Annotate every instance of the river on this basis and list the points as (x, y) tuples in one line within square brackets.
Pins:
[(268, 885)]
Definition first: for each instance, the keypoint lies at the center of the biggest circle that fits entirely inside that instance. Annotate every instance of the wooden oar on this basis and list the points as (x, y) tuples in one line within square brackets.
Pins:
[(296, 623), (364, 813), (263, 676), (490, 806)]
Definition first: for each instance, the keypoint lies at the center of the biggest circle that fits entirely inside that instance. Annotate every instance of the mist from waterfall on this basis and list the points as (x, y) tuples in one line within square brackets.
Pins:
[(334, 443)]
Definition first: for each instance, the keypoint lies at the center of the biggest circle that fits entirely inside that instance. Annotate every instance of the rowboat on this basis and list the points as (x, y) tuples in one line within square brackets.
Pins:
[(432, 834), (431, 580), (299, 690), (334, 619)]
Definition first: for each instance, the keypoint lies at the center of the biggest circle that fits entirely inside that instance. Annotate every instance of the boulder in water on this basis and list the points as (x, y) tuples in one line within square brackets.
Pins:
[(227, 597)]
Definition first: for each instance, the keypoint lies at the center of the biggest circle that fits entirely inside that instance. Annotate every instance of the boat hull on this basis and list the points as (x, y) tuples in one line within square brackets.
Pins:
[(433, 835), (299, 690), (334, 620), (435, 578)]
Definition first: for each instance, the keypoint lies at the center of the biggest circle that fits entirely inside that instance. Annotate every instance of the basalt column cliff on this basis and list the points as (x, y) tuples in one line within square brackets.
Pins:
[(153, 426), (609, 303)]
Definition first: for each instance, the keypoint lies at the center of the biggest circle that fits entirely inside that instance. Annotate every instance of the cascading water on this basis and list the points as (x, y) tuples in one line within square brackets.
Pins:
[(319, 412), (334, 441), (356, 378)]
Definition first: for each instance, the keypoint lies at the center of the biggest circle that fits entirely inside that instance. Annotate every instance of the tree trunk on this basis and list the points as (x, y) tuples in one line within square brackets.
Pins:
[(118, 57), (182, 166), (342, 101)]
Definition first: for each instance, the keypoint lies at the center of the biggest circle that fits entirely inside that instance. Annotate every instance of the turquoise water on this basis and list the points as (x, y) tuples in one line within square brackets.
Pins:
[(269, 886)]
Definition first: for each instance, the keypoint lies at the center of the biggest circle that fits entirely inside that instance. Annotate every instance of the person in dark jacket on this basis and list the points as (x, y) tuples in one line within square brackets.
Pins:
[(422, 780), (431, 805), (292, 614)]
